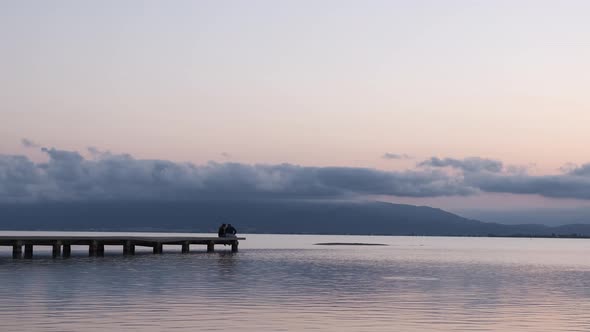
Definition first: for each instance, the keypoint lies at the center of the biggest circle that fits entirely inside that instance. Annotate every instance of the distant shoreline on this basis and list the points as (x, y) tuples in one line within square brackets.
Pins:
[(349, 244), (155, 230)]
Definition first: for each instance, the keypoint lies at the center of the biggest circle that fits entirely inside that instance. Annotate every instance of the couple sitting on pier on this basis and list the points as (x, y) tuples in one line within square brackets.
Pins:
[(226, 231)]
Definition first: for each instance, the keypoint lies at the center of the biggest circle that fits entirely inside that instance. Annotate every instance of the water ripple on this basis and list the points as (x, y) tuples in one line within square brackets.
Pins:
[(415, 284)]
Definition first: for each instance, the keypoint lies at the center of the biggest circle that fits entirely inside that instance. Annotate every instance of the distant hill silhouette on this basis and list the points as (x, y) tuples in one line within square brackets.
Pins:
[(262, 216)]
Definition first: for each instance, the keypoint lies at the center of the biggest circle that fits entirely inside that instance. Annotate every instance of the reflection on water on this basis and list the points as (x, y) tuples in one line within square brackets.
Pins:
[(284, 283)]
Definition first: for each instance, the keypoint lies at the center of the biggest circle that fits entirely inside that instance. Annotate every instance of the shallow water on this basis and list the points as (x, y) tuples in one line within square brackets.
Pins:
[(285, 283)]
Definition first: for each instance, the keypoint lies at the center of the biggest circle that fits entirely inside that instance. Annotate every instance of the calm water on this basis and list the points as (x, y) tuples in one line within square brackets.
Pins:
[(285, 283)]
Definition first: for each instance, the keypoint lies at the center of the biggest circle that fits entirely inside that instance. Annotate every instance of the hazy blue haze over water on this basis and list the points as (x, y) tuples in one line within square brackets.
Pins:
[(285, 283)]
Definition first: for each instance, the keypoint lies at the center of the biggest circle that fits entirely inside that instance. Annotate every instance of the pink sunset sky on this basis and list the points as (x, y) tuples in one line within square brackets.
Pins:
[(383, 85)]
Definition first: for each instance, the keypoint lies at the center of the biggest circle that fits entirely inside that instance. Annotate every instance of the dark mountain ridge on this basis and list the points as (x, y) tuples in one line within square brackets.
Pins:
[(262, 216)]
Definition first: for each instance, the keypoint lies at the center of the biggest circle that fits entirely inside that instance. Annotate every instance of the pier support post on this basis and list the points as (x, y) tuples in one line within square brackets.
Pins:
[(128, 248), (56, 252), (67, 250), (100, 250), (17, 250), (210, 246), (234, 246), (158, 248), (28, 251), (186, 247), (93, 248)]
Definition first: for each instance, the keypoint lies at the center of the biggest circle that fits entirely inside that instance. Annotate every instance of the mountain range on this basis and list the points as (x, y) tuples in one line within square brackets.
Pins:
[(264, 216)]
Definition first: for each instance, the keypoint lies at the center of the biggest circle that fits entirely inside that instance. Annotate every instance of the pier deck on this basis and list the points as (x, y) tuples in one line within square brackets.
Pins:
[(62, 245)]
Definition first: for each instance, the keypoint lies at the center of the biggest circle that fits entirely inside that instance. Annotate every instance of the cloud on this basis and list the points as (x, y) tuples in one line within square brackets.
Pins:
[(395, 156), (583, 170), (18, 175), (27, 143), (491, 176), (574, 182), (553, 186), (472, 164), (69, 176)]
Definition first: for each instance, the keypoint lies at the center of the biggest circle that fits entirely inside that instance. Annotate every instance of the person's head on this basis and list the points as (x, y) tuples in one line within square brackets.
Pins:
[(223, 225)]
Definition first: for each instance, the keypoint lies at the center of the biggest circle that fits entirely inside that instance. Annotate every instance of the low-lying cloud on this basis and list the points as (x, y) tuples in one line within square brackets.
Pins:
[(69, 176), (472, 164), (396, 156), (27, 143), (574, 183)]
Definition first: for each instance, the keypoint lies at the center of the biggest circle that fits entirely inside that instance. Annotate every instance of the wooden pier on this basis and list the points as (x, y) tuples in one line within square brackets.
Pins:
[(62, 245)]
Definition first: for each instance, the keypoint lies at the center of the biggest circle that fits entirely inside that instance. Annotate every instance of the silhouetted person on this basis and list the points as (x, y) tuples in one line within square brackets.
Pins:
[(230, 230), (221, 231)]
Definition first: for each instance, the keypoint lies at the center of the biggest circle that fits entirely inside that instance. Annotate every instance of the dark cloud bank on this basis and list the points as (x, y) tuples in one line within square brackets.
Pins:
[(68, 176), (118, 192)]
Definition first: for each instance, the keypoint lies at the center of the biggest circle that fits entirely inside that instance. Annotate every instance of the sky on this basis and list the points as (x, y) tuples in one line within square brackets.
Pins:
[(387, 99)]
